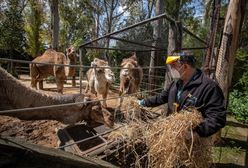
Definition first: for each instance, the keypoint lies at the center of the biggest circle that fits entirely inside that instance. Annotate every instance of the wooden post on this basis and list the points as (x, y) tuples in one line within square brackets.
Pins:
[(212, 37), (80, 69), (229, 45)]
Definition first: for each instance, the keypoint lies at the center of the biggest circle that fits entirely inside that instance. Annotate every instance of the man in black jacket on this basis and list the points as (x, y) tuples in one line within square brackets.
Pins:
[(192, 88)]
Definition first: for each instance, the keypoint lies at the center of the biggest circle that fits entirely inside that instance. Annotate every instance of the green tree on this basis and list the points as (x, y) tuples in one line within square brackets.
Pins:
[(240, 74), (76, 22), (54, 5), (12, 40), (12, 26), (34, 20)]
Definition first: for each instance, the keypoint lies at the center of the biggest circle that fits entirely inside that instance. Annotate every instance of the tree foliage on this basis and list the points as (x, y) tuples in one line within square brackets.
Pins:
[(76, 22), (35, 17), (12, 26), (238, 105), (240, 74)]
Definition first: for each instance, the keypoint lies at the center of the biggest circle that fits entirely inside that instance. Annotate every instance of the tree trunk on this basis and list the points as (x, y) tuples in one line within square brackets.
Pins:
[(210, 54), (157, 42), (96, 27), (36, 22), (174, 39), (54, 23), (109, 28), (229, 44)]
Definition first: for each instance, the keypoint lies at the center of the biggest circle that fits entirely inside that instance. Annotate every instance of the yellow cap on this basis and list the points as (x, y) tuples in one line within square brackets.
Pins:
[(172, 58)]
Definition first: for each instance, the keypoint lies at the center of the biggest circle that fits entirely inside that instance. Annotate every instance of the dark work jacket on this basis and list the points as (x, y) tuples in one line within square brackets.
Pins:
[(200, 92)]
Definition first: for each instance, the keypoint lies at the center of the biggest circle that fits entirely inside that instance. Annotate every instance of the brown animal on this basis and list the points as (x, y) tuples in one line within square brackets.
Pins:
[(14, 94), (40, 71), (131, 76), (99, 79)]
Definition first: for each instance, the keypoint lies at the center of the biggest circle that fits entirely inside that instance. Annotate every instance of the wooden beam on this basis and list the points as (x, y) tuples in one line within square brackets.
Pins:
[(22, 154)]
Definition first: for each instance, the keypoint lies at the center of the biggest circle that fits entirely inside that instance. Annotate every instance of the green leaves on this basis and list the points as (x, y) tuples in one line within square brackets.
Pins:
[(240, 74), (238, 105), (12, 27)]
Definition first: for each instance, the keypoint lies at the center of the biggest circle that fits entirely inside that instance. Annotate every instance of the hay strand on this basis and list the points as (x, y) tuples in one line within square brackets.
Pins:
[(166, 142)]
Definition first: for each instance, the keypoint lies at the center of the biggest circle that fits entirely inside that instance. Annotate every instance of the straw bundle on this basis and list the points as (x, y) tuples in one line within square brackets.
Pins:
[(134, 112), (166, 142), (132, 152), (172, 142)]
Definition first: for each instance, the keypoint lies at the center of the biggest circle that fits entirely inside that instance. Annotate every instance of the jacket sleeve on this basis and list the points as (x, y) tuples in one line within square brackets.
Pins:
[(159, 99), (213, 111)]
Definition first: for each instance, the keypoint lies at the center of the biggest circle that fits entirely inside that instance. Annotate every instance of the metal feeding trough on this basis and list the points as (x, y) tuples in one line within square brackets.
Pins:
[(89, 138)]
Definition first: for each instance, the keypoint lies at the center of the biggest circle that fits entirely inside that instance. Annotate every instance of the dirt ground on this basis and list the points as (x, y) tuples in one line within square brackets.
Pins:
[(41, 132)]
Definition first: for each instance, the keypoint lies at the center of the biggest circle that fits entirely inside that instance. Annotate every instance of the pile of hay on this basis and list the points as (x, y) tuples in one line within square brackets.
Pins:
[(165, 142), (133, 112), (132, 151), (172, 143)]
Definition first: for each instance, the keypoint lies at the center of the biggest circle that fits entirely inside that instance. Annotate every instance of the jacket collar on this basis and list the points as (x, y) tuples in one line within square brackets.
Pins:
[(195, 80)]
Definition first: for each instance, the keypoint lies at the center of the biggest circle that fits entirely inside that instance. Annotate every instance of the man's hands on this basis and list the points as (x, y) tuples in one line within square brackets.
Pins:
[(141, 102)]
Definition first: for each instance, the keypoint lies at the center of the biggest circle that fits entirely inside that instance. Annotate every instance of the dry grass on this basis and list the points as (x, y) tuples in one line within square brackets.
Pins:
[(165, 142), (172, 143)]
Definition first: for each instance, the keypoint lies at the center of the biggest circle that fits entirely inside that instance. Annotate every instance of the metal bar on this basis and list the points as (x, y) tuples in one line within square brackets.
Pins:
[(212, 37), (67, 104), (194, 48), (83, 66), (86, 139), (96, 47), (168, 17), (164, 15), (102, 148), (80, 69), (33, 62), (193, 35), (126, 28), (150, 84), (133, 42), (161, 77)]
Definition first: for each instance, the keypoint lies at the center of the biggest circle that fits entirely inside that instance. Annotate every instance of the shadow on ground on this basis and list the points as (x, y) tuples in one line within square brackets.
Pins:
[(233, 151)]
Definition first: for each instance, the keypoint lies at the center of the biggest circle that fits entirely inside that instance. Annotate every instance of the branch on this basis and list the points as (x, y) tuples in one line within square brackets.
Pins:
[(127, 8)]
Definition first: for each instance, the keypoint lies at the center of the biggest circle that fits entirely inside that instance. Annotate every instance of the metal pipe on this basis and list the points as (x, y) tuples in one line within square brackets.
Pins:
[(68, 104), (193, 35), (164, 15), (104, 48), (86, 139), (77, 66), (126, 28), (80, 69), (133, 42), (194, 48)]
